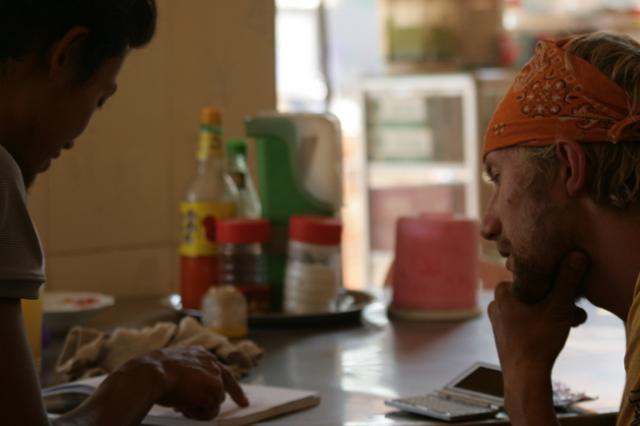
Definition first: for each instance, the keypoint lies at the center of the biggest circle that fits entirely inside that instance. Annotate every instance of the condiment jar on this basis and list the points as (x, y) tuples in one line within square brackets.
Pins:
[(224, 310), (241, 260), (313, 273)]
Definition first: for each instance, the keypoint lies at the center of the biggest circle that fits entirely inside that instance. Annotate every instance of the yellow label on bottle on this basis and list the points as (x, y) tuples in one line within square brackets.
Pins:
[(198, 237), (210, 143)]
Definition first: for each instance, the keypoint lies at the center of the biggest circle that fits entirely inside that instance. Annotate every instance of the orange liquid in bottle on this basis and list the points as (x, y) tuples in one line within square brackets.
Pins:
[(208, 199), (197, 274)]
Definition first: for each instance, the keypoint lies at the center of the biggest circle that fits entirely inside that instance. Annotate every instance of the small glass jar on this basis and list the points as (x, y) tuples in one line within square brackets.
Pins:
[(241, 260), (224, 310), (313, 277)]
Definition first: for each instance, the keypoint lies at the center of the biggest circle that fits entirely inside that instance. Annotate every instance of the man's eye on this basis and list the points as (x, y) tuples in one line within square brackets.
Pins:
[(101, 102), (491, 178)]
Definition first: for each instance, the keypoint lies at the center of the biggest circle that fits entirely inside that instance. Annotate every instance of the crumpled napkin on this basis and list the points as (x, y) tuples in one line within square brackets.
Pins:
[(89, 352)]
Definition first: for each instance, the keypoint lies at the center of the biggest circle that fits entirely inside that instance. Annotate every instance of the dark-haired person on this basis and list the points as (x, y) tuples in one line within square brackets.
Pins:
[(563, 152), (59, 62)]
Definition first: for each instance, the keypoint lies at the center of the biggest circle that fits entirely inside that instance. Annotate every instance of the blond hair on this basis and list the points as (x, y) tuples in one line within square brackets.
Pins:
[(614, 169)]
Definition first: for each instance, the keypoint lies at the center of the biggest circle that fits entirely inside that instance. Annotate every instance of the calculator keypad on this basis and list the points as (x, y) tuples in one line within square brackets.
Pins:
[(442, 405)]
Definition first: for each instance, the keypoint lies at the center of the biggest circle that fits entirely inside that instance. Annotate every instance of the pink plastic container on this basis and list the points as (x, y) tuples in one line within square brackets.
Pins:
[(435, 274)]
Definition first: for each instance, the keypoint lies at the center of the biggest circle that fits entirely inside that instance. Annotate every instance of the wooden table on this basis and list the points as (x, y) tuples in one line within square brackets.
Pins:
[(356, 367)]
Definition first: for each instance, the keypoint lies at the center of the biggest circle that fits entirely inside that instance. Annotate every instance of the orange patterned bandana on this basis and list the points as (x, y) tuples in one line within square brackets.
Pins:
[(561, 96)]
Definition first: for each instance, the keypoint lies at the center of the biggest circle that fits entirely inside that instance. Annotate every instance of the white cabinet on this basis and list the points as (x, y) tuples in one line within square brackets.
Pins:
[(420, 153)]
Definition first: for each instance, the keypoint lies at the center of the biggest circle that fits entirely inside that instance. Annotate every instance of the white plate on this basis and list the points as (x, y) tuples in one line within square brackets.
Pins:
[(70, 301), (65, 309)]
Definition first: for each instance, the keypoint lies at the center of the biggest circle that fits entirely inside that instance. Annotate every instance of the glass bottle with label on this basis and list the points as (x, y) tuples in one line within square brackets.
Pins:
[(313, 277), (242, 260), (247, 196), (207, 200)]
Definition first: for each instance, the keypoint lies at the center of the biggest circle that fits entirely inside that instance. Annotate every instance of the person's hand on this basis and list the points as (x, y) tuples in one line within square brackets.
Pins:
[(532, 335), (529, 338), (191, 380)]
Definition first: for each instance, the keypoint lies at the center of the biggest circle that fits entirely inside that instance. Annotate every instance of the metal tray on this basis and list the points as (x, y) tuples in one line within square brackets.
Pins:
[(350, 306)]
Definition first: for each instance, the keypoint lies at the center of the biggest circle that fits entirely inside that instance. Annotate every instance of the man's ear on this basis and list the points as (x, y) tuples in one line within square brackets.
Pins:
[(573, 166), (65, 55)]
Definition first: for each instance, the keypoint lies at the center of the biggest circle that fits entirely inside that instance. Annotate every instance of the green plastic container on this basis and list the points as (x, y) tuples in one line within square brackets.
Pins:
[(282, 193)]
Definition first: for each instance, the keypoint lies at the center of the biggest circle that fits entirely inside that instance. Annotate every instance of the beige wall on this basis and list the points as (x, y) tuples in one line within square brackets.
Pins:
[(107, 211)]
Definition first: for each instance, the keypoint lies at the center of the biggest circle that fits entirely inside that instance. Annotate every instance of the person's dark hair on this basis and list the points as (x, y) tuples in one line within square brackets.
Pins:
[(33, 26)]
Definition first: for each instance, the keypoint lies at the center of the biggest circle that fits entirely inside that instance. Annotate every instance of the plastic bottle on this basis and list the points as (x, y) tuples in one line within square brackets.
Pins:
[(312, 281), (207, 200), (238, 171), (242, 260)]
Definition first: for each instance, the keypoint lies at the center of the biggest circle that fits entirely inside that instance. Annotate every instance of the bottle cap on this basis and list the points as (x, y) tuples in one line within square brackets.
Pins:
[(243, 231), (210, 115), (236, 146), (320, 230)]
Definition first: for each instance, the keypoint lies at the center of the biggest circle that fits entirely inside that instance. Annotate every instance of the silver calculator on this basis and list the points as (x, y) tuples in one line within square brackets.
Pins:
[(476, 393)]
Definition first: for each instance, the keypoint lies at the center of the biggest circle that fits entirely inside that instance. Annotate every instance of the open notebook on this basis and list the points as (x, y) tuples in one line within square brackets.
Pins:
[(266, 402)]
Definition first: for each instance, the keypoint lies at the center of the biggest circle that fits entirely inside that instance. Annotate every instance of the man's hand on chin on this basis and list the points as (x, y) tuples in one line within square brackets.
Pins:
[(529, 338)]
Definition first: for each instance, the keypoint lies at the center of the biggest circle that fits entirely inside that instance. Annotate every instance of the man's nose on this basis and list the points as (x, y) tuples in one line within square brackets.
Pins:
[(490, 227)]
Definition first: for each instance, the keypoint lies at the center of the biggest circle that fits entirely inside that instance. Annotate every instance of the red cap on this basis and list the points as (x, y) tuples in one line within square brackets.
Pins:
[(243, 231), (320, 230)]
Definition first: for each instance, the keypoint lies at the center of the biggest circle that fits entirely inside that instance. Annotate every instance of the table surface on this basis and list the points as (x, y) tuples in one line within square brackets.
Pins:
[(356, 366)]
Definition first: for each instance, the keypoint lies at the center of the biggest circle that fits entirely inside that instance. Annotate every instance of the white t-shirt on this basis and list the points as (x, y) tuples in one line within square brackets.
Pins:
[(21, 256)]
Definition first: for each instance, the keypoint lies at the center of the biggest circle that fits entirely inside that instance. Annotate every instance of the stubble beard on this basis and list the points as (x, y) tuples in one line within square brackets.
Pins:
[(534, 274), (530, 283)]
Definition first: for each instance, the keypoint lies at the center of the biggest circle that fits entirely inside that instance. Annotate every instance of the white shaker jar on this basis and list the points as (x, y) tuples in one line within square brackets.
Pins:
[(313, 277)]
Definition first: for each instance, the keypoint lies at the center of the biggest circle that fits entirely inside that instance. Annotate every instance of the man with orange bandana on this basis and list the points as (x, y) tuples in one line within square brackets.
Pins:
[(563, 153)]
